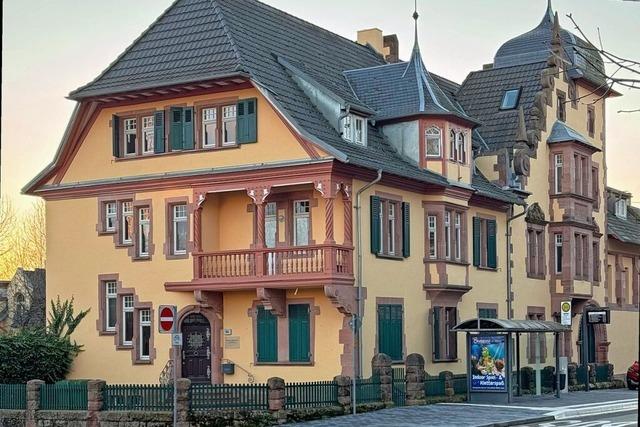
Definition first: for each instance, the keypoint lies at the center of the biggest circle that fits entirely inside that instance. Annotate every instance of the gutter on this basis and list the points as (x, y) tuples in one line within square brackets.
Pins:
[(508, 234), (357, 318)]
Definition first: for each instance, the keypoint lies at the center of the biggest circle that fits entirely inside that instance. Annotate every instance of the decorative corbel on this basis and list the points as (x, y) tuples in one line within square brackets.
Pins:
[(258, 194), (274, 300)]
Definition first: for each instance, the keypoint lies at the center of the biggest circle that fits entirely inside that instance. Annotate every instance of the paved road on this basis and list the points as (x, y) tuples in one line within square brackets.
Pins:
[(624, 419)]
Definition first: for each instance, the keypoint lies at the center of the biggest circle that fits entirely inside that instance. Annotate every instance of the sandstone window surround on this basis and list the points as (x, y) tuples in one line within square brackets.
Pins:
[(115, 218), (444, 339), (143, 247), (445, 233), (591, 120), (390, 331), (390, 226), (561, 105), (178, 242), (536, 260), (536, 313), (487, 310), (128, 320), (485, 232)]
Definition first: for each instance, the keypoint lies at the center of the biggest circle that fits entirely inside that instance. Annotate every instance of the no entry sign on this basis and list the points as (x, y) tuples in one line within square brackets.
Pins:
[(167, 319)]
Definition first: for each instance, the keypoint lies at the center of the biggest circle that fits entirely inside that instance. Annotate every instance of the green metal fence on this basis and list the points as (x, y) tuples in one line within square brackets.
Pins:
[(399, 387), (311, 394), (65, 396), (460, 384), (367, 390), (206, 397), (433, 386), (138, 397), (13, 396)]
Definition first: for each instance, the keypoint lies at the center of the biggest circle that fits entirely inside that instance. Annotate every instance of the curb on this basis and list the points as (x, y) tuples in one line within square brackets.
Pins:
[(520, 421), (594, 410)]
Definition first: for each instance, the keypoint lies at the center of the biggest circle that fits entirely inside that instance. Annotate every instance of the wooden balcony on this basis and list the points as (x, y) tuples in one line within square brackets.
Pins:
[(301, 266)]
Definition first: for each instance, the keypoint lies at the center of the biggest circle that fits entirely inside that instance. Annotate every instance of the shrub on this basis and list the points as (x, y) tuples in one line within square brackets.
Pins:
[(34, 354)]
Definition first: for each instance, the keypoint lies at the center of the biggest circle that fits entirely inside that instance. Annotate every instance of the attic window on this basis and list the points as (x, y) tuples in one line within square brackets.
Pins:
[(621, 208), (510, 99), (354, 129)]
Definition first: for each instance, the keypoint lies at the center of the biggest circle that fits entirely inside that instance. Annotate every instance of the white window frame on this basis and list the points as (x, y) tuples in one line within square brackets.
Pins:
[(461, 152), (127, 212), (558, 165), (447, 234), (558, 243), (354, 129), (110, 216), (144, 321), (110, 293), (229, 114), (431, 133), (392, 227), (127, 307), (621, 208), (147, 134), (206, 120), (130, 128), (432, 225), (301, 214), (458, 234), (144, 220), (179, 216)]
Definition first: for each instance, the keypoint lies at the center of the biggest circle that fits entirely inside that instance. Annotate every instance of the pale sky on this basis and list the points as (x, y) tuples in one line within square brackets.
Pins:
[(52, 47)]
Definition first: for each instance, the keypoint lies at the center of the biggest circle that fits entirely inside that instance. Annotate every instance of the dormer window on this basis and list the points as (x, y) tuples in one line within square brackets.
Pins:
[(621, 208), (433, 142), (354, 129), (510, 99)]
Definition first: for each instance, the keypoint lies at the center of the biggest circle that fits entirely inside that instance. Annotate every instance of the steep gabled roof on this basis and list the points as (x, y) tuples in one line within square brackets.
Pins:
[(481, 96), (561, 132), (626, 230)]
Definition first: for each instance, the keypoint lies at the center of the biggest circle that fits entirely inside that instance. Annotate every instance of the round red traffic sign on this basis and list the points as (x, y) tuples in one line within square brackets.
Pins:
[(166, 319)]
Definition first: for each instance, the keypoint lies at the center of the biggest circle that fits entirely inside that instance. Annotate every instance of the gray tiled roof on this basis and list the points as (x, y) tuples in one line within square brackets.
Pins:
[(626, 230), (488, 189), (481, 96), (403, 89), (560, 132), (535, 46)]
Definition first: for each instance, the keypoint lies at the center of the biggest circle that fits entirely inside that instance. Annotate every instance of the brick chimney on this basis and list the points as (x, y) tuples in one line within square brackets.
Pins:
[(386, 46)]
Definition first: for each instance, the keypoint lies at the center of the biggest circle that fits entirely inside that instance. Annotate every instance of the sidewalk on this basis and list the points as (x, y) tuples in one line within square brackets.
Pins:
[(526, 409)]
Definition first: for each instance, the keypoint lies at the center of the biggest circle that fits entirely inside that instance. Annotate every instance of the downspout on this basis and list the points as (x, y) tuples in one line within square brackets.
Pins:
[(357, 329), (508, 234)]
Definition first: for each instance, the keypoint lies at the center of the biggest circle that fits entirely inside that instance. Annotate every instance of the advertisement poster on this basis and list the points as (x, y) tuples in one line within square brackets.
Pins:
[(488, 363)]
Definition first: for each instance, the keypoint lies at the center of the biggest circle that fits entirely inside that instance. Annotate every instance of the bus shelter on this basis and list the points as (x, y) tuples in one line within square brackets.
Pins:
[(491, 347)]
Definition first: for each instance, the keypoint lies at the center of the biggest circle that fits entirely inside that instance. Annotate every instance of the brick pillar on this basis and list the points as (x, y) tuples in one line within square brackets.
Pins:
[(95, 401), (381, 369), (344, 392), (276, 394), (33, 401), (448, 383), (183, 404), (414, 378)]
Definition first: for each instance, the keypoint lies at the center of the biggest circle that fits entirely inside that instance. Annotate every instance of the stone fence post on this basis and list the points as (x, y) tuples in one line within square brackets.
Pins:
[(183, 401), (344, 392), (33, 402), (95, 401), (448, 383), (414, 377), (381, 369), (276, 396)]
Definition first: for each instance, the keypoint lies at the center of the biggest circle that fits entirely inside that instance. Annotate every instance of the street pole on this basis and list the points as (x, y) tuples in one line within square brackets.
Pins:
[(584, 349), (175, 382)]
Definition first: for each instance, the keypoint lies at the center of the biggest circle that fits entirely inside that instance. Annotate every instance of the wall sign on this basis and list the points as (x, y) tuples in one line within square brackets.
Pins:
[(232, 342), (488, 363), (565, 313)]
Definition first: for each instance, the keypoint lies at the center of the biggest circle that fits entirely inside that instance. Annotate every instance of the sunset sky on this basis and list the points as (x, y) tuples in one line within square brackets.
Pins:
[(52, 47)]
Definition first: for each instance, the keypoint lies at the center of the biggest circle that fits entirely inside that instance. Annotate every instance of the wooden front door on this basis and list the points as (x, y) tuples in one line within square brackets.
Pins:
[(196, 348)]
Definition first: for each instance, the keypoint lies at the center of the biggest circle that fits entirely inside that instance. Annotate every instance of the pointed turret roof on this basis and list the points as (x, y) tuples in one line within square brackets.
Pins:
[(536, 46)]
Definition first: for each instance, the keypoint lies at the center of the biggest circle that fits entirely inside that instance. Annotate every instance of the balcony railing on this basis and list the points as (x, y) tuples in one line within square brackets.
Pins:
[(274, 263)]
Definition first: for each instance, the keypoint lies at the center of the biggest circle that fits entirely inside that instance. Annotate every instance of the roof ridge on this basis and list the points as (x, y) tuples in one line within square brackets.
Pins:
[(227, 33), (127, 50)]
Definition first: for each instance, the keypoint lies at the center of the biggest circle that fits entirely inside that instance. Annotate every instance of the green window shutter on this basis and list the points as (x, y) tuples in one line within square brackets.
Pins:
[(390, 330), (406, 236), (115, 129), (476, 241), (158, 132), (299, 333), (247, 121), (491, 244), (375, 224), (436, 332), (175, 128), (267, 336), (187, 129)]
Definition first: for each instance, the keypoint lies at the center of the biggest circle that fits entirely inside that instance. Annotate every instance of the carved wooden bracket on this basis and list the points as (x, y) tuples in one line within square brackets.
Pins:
[(258, 194), (274, 300)]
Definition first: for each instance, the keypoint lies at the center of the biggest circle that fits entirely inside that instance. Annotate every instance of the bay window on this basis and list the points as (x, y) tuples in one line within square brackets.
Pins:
[(452, 145), (144, 227), (461, 150), (127, 320), (179, 228), (301, 225), (144, 334), (433, 142), (147, 135)]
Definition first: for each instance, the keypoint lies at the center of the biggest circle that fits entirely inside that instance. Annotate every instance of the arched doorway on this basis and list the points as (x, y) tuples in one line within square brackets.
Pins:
[(196, 348)]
